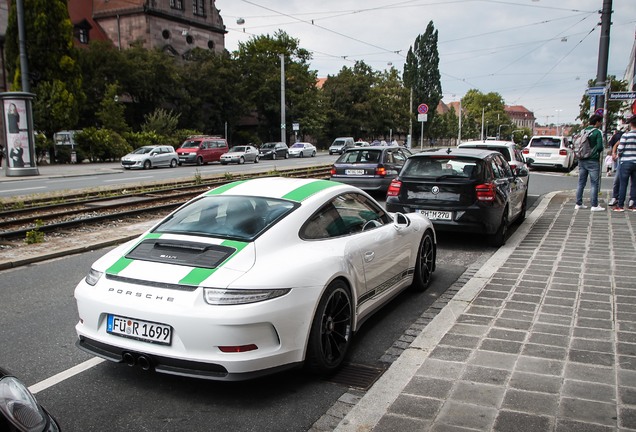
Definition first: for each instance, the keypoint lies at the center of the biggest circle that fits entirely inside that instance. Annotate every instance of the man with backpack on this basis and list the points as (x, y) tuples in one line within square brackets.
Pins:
[(590, 164), (626, 151)]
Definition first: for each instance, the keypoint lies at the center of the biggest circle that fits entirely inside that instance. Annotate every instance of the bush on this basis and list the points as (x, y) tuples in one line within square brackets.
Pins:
[(102, 144), (140, 139)]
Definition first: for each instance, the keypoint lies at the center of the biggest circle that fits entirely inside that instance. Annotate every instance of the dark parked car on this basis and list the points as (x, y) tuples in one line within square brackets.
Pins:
[(274, 150), (369, 168), (464, 190), (19, 410)]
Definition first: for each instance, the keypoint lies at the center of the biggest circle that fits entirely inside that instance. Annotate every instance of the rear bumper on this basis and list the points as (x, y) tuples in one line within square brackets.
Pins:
[(365, 183), (475, 219)]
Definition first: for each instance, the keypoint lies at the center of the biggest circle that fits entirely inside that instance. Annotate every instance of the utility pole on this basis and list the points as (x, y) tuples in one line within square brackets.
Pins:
[(283, 135), (24, 64), (603, 54)]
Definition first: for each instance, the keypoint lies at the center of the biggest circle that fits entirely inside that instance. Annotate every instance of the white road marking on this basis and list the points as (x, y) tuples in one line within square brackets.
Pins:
[(64, 375), (23, 189), (126, 179)]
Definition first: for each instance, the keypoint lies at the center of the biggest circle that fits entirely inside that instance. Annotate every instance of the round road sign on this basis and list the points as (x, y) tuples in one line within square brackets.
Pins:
[(422, 108)]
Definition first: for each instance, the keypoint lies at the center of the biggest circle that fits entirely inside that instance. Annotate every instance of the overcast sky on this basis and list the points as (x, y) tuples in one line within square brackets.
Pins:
[(535, 53)]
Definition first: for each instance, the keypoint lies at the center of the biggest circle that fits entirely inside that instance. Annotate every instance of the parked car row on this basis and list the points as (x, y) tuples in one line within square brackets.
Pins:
[(201, 150)]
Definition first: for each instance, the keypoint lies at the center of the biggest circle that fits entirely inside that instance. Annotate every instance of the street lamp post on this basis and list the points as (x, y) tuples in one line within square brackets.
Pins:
[(483, 113), (557, 122)]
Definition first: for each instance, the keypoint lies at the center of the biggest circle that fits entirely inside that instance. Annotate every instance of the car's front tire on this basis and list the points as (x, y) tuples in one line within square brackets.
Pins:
[(425, 263), (173, 163), (286, 155), (147, 164), (256, 159), (331, 330), (199, 161)]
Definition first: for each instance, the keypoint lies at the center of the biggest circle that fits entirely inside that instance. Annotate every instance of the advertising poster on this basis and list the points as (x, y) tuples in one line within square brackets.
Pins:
[(18, 153)]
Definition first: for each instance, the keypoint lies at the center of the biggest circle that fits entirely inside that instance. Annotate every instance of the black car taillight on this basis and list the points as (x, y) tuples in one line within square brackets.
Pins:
[(380, 171), (333, 171), (485, 192), (394, 188)]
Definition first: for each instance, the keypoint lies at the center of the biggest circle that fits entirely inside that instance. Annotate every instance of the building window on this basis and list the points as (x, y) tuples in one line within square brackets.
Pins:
[(211, 45), (198, 8), (83, 36), (165, 34), (176, 4)]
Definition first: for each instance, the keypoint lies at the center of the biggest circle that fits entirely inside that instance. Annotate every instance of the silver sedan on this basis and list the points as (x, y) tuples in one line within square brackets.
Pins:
[(240, 155)]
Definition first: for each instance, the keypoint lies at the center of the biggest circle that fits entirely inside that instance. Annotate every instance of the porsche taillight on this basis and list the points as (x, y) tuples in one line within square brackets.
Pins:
[(525, 151), (563, 152), (485, 192), (394, 188)]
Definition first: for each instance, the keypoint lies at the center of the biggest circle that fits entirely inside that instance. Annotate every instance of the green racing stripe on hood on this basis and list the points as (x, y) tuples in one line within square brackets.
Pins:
[(198, 275), (124, 262), (304, 192), (221, 189)]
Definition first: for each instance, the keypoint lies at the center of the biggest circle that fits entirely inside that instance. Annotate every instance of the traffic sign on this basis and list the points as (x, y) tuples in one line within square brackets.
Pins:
[(595, 91), (422, 108), (422, 117), (622, 95), (599, 111)]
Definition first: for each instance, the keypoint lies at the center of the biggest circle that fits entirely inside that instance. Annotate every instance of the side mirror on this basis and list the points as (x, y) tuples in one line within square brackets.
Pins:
[(521, 172), (400, 221)]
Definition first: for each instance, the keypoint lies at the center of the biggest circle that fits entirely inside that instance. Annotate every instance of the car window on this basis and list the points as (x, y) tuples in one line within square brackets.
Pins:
[(346, 214), (235, 217), (504, 167), (398, 156), (496, 169), (437, 167), (545, 142)]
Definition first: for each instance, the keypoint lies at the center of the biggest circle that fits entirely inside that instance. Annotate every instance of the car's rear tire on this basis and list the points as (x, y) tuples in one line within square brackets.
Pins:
[(173, 163), (425, 263), (331, 330), (524, 209), (147, 164), (313, 154), (498, 239)]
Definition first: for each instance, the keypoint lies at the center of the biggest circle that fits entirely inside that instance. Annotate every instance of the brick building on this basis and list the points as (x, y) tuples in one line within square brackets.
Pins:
[(174, 26)]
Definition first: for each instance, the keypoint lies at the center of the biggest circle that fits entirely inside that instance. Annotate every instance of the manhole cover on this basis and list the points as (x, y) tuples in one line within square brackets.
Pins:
[(356, 375)]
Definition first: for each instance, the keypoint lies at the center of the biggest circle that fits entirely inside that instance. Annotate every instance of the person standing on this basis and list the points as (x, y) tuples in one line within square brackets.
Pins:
[(627, 169), (591, 166)]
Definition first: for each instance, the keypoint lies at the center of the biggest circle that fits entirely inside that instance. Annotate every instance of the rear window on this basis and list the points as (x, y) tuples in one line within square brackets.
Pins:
[(457, 167), (545, 142), (360, 156)]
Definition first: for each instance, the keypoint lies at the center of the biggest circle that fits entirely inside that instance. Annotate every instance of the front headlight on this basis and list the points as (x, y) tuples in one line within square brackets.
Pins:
[(93, 276), (222, 297), (19, 406)]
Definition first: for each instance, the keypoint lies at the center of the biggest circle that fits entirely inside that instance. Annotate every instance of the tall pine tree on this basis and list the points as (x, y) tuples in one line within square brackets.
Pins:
[(421, 74)]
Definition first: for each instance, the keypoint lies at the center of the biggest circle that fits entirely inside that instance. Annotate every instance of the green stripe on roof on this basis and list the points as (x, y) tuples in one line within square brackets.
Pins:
[(304, 192), (198, 275), (124, 262), (221, 189)]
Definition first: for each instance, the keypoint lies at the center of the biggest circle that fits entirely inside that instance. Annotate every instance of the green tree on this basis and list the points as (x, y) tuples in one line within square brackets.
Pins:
[(111, 111), (421, 74), (389, 104), (477, 105), (258, 61), (54, 74)]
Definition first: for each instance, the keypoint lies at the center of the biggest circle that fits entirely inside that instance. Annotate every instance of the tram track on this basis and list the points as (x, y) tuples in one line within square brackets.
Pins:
[(68, 212)]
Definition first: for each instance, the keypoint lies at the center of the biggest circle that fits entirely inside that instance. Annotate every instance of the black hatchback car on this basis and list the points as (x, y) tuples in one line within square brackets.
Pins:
[(274, 150), (370, 168), (463, 190)]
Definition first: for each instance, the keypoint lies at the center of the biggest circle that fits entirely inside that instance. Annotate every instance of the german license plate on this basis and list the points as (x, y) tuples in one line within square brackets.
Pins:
[(436, 215), (546, 155), (354, 172), (141, 330)]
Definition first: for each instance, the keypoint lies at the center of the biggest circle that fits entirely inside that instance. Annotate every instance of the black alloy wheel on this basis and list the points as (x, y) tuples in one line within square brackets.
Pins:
[(425, 263), (331, 330)]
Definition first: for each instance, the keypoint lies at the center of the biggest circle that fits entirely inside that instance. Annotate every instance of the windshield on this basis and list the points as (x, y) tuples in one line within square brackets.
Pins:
[(268, 145), (298, 145), (235, 217), (191, 144), (143, 150), (239, 149)]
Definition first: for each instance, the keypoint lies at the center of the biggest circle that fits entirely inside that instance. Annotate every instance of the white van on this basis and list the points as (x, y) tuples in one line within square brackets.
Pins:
[(341, 144)]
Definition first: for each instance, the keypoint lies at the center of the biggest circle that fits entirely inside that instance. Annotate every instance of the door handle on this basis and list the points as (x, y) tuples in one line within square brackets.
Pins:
[(368, 256)]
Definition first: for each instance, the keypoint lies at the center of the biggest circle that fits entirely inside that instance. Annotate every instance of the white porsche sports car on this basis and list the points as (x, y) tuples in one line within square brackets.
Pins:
[(203, 293)]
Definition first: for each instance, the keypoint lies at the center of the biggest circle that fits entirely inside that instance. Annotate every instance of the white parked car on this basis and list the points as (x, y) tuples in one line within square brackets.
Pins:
[(550, 152), (240, 155), (302, 149), (203, 294), (507, 148), (151, 156)]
